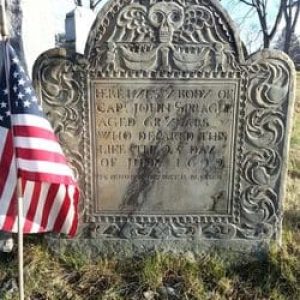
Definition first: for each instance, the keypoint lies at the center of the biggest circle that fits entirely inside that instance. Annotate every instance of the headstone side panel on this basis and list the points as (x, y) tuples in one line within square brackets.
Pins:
[(267, 128), (60, 81)]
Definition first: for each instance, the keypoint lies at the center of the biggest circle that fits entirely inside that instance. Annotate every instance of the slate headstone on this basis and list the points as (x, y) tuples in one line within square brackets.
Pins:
[(179, 139)]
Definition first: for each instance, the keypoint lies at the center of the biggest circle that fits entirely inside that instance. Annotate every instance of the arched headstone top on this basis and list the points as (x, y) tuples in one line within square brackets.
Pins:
[(168, 36)]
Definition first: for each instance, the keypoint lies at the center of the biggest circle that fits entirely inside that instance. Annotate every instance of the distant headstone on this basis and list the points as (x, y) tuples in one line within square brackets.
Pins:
[(178, 138), (77, 25)]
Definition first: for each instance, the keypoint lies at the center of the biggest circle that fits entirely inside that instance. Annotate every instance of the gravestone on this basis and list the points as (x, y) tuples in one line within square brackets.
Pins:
[(179, 139)]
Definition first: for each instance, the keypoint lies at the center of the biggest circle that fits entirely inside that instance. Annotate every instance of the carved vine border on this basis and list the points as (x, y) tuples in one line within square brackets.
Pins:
[(267, 122)]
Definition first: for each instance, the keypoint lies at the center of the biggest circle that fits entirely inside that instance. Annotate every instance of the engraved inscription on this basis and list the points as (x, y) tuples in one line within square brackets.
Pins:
[(164, 147)]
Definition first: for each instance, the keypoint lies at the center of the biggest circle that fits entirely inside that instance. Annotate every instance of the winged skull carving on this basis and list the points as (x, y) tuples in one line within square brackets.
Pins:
[(132, 25), (166, 36), (199, 26), (166, 17)]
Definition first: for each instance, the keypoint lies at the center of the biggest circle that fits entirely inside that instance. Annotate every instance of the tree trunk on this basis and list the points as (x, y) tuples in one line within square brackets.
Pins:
[(267, 42)]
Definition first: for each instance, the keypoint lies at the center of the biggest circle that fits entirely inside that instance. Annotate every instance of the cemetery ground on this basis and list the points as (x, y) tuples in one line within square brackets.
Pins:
[(166, 276)]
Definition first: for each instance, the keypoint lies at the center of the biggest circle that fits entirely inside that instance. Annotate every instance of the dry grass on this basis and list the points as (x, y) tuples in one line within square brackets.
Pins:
[(166, 276), (159, 276)]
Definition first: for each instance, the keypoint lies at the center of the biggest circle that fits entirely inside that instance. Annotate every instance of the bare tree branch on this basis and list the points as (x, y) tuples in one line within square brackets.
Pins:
[(248, 2), (277, 20), (287, 10), (291, 11), (296, 17), (78, 2), (94, 3)]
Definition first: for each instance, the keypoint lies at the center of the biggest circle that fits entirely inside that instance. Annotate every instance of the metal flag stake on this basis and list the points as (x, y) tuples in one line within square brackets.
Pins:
[(3, 22)]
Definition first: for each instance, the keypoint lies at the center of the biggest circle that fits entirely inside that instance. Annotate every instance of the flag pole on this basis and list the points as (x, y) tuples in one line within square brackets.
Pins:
[(4, 35), (20, 239), (3, 22)]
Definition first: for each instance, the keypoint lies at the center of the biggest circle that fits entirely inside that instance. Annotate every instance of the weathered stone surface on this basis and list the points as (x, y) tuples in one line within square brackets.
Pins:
[(178, 138)]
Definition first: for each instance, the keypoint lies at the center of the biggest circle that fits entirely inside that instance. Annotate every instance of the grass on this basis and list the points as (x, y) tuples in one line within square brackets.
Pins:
[(166, 276), (159, 276)]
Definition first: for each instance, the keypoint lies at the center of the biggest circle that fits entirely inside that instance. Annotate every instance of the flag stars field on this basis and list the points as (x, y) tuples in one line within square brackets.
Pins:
[(28, 91), (22, 90), (21, 81), (3, 112), (26, 103), (15, 60), (20, 96)]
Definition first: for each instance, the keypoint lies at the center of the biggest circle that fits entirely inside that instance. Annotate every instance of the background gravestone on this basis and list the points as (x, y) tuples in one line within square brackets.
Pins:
[(178, 139)]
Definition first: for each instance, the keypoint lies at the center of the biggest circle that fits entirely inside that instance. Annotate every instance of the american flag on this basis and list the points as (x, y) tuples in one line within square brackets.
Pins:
[(29, 150)]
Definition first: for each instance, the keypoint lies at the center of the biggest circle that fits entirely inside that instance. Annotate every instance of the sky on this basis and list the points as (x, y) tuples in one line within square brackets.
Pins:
[(245, 19), (50, 14)]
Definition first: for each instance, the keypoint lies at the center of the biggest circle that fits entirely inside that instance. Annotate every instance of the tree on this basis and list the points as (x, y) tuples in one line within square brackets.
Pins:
[(294, 48), (286, 15), (291, 15), (93, 3), (268, 28)]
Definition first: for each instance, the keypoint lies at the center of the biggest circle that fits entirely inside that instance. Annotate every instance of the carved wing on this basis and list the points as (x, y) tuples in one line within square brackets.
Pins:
[(200, 27), (132, 25)]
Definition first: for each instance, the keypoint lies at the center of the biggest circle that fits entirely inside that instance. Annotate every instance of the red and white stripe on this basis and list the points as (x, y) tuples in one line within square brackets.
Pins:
[(50, 193), (8, 181)]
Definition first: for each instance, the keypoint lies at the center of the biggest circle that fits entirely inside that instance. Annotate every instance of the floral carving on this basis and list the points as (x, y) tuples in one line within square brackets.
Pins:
[(259, 204), (261, 167), (265, 127), (270, 88), (268, 94), (136, 230), (219, 231)]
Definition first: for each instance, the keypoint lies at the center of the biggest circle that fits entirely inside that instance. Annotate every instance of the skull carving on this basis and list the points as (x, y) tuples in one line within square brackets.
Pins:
[(168, 17)]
